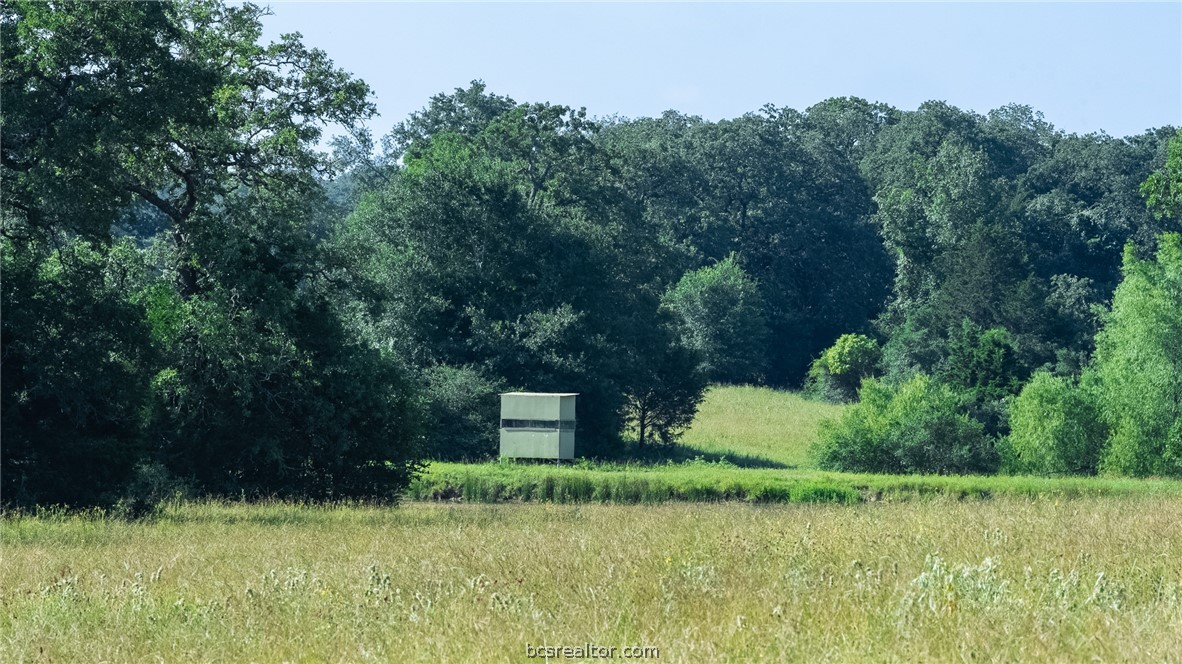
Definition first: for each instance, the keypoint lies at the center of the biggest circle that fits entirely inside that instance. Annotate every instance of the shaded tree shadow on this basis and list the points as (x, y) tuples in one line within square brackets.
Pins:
[(681, 453)]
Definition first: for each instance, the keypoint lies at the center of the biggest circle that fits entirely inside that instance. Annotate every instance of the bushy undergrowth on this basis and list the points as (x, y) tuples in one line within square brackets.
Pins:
[(837, 374), (917, 427), (1055, 428)]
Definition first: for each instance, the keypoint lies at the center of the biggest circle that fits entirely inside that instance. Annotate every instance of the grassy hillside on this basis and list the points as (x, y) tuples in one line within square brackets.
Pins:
[(1005, 580), (759, 422)]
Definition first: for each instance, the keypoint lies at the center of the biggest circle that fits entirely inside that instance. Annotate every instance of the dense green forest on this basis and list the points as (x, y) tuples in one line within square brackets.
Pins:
[(196, 294)]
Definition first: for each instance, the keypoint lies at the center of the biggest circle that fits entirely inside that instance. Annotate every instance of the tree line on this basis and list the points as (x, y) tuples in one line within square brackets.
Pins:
[(197, 297)]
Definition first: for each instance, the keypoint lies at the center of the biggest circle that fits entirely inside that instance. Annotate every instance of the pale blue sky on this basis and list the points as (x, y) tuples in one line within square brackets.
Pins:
[(1086, 66)]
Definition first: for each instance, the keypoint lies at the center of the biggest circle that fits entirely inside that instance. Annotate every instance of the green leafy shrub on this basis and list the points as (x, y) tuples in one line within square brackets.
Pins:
[(1138, 363), (1055, 428), (838, 372), (917, 427)]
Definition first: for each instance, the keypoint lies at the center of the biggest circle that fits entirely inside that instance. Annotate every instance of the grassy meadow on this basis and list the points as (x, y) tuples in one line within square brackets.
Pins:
[(1000, 580), (759, 422), (734, 551)]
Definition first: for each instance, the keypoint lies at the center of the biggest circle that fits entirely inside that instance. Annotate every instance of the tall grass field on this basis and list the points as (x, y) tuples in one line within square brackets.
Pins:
[(731, 549), (1089, 579)]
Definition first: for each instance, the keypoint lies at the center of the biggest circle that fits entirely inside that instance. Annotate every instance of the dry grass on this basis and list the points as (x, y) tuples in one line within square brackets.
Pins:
[(1002, 580)]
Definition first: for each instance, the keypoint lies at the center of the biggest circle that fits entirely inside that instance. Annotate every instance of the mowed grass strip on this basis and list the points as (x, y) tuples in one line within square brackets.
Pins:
[(711, 482), (614, 484), (1092, 579)]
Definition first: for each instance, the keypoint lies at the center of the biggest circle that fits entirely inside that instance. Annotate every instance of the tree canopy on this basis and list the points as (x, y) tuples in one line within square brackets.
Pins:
[(212, 345), (198, 296)]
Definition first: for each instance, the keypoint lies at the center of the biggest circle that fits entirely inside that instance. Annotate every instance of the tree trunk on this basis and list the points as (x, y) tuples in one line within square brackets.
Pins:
[(641, 423), (186, 271)]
